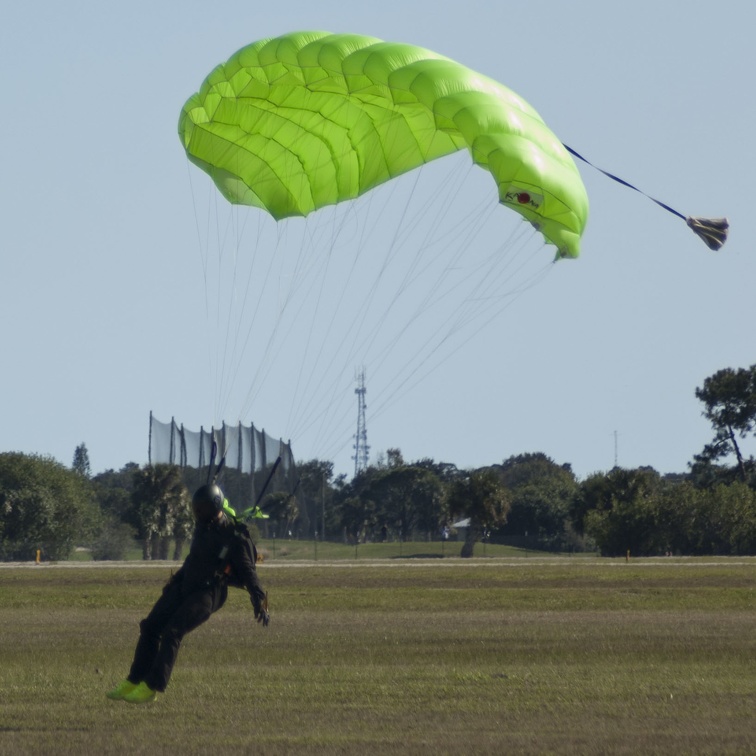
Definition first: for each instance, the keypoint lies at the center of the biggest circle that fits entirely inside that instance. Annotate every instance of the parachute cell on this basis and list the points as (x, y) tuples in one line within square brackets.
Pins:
[(311, 119)]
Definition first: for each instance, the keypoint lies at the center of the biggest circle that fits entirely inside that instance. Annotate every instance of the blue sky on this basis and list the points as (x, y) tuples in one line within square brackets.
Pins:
[(104, 298)]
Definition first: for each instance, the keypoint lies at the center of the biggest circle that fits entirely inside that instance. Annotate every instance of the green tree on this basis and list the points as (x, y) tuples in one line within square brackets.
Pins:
[(541, 493), (113, 491), (81, 461), (283, 510), (183, 525), (726, 520), (314, 494), (353, 509), (357, 517), (678, 518), (446, 472), (651, 515), (729, 398), (394, 458), (620, 511), (481, 497), (391, 496), (161, 501), (43, 505), (736, 505), (407, 499)]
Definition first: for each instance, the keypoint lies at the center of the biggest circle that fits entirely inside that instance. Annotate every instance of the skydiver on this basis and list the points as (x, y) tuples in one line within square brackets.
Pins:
[(221, 554)]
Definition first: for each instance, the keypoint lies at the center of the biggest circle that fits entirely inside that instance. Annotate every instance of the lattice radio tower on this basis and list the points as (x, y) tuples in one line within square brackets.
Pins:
[(361, 448)]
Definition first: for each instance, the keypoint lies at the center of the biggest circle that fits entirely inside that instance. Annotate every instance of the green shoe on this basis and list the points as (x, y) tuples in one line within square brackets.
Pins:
[(121, 690), (142, 693)]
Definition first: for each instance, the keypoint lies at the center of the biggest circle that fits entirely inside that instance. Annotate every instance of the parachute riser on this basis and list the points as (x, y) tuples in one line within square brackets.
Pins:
[(268, 480), (212, 477)]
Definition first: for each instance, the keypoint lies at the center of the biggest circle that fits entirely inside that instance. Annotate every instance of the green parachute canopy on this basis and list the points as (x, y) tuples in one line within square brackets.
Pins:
[(310, 119)]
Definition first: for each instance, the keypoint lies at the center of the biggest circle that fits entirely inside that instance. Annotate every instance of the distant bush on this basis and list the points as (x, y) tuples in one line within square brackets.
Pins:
[(115, 540)]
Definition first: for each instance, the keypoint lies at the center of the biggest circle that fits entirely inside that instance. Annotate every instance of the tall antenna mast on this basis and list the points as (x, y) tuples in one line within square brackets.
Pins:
[(361, 448)]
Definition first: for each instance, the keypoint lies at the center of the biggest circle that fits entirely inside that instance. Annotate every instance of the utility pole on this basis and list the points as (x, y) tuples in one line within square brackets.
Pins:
[(361, 448)]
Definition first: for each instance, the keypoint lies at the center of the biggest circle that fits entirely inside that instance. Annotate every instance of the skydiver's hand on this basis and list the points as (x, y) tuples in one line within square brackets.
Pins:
[(261, 609), (262, 615)]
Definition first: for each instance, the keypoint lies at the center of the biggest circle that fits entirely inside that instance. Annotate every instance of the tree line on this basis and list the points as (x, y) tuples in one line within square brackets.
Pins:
[(527, 500)]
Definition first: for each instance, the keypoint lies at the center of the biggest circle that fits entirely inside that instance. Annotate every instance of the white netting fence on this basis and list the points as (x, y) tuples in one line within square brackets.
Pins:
[(245, 448)]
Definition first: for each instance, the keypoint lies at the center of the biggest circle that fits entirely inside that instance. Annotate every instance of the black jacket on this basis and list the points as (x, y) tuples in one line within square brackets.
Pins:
[(220, 550)]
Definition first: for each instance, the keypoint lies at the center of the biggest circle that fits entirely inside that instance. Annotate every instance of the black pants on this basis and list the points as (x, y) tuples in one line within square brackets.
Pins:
[(162, 631)]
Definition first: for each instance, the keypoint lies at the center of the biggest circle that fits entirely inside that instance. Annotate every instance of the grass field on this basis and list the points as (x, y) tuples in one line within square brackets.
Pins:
[(418, 656), (296, 549)]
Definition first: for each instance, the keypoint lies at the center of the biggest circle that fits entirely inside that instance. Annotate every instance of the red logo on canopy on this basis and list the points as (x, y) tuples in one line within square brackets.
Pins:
[(525, 198)]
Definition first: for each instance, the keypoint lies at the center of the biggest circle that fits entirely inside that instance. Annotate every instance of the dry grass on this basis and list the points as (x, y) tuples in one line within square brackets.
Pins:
[(549, 656)]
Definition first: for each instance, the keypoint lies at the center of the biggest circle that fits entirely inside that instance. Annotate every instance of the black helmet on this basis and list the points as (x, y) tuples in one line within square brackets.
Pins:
[(207, 502)]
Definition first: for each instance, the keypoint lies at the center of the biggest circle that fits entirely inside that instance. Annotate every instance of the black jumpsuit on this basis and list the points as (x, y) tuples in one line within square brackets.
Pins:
[(197, 590)]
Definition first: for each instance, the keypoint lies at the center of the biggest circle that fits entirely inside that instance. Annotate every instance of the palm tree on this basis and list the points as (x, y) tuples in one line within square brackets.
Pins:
[(161, 503), (481, 497)]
